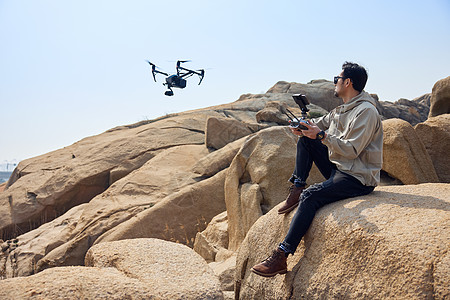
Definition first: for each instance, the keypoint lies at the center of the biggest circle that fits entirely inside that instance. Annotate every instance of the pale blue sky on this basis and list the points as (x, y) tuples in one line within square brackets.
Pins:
[(72, 69)]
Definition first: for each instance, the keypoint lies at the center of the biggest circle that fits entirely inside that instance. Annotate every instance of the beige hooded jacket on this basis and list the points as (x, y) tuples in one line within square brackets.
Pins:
[(355, 138)]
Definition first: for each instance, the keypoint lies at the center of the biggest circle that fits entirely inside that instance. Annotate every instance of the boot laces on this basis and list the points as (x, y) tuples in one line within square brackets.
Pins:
[(271, 259)]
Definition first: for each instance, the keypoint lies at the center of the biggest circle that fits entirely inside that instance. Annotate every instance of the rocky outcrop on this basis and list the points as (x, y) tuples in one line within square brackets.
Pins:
[(404, 155), (45, 187), (131, 269), (412, 111), (435, 135), (440, 98), (361, 248)]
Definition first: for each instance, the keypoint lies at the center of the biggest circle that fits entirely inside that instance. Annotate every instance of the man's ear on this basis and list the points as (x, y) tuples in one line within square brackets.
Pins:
[(348, 82)]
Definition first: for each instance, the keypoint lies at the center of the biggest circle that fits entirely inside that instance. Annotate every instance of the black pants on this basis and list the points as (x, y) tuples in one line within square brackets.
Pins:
[(338, 186)]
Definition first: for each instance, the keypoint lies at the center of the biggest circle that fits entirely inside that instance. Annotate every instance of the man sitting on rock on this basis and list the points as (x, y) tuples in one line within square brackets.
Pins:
[(346, 146)]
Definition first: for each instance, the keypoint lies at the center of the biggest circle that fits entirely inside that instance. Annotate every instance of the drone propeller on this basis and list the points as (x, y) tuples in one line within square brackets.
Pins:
[(179, 62), (202, 74), (154, 70)]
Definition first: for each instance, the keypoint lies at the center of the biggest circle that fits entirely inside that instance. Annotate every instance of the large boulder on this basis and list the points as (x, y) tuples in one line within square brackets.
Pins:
[(257, 179), (169, 270), (319, 92), (404, 155), (391, 244), (440, 98), (221, 131), (272, 113), (435, 135)]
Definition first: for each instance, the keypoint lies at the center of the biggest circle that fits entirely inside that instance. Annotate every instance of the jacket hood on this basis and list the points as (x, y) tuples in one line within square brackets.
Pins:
[(355, 101)]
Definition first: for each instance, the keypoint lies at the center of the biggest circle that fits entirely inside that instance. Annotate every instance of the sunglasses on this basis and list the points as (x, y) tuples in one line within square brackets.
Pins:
[(336, 79)]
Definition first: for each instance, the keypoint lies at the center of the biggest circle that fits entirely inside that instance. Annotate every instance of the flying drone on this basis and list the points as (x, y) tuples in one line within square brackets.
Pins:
[(177, 80)]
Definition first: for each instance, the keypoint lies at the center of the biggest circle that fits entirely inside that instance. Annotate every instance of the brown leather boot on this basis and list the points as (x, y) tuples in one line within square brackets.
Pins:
[(273, 265), (292, 200)]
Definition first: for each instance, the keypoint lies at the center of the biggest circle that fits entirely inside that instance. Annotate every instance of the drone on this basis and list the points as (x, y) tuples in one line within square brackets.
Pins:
[(177, 80)]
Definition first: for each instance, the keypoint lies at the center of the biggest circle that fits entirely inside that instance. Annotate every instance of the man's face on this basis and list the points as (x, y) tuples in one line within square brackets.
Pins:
[(339, 85)]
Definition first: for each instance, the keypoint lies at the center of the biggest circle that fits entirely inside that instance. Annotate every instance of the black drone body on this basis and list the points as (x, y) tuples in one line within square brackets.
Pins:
[(177, 80)]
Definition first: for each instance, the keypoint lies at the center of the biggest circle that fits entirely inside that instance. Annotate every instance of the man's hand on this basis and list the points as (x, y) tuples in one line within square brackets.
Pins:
[(312, 131), (296, 131)]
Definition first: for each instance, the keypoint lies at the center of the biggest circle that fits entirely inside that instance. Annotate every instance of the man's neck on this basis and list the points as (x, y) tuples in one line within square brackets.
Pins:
[(352, 94)]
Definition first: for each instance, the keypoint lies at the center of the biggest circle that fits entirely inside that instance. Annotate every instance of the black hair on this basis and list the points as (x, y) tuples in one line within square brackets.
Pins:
[(356, 73)]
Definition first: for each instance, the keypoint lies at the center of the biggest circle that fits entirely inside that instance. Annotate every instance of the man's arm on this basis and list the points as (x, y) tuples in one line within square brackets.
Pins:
[(359, 135)]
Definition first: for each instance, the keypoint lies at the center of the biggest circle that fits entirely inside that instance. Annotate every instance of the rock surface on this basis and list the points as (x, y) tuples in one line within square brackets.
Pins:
[(75, 283), (318, 92), (213, 238), (413, 111), (169, 270), (178, 217), (373, 242), (36, 244), (435, 135), (440, 98), (130, 269), (221, 131), (404, 155)]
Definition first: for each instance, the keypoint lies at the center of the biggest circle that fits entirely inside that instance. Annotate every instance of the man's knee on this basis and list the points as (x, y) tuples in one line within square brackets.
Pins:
[(310, 197)]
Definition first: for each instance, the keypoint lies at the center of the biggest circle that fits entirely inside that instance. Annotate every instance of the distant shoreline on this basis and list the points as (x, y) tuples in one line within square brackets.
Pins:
[(4, 176)]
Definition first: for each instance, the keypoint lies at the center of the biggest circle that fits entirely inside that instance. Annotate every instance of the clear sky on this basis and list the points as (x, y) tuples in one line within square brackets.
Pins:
[(72, 69)]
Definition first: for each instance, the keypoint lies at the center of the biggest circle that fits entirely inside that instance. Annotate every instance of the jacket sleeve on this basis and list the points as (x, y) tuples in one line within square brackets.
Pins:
[(359, 135), (323, 122)]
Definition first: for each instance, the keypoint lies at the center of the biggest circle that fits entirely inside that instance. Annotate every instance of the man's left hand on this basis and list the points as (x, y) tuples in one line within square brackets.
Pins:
[(312, 131)]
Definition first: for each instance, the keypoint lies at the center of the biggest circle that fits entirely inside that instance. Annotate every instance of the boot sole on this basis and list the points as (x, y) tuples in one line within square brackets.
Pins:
[(281, 272), (288, 209)]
